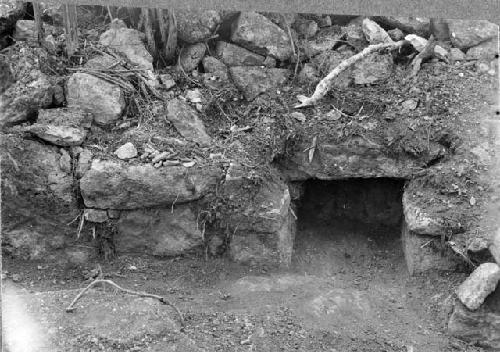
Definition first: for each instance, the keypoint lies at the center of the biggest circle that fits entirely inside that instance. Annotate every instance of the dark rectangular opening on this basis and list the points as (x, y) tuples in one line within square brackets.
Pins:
[(348, 225)]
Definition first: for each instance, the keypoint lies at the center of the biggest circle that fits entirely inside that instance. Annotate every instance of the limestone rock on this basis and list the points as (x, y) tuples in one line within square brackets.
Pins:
[(424, 253), (283, 20), (419, 221), (257, 33), (64, 127), (373, 68), (191, 56), (456, 54), (416, 41), (95, 215), (128, 42), (126, 151), (114, 185), (84, 161), (480, 327), (195, 26), (412, 25), (104, 61), (374, 33), (213, 65), (483, 281), (104, 100), (252, 81), (396, 34), (483, 51), (468, 33), (233, 55), (187, 122), (158, 231), (38, 200), (22, 100), (324, 41)]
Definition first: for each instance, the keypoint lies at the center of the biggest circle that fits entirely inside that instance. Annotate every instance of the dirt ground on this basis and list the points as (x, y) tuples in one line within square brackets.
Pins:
[(347, 290)]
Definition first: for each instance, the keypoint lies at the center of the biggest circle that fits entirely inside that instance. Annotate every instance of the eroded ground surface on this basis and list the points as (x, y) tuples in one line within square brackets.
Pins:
[(347, 290)]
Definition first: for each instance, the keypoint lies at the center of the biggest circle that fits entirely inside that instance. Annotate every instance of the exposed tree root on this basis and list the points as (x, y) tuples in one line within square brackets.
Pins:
[(163, 300), (325, 84)]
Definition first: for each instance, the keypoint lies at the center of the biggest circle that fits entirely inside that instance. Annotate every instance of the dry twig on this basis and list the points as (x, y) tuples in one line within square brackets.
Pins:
[(163, 300), (325, 84)]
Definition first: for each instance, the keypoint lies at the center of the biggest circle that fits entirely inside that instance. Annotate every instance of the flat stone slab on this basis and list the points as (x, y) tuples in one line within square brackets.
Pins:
[(483, 281), (116, 185)]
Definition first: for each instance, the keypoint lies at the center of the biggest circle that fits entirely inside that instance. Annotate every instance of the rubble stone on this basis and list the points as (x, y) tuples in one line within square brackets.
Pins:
[(257, 33), (104, 100), (187, 122), (374, 33), (465, 34), (126, 151), (252, 80), (483, 281), (483, 51), (191, 56), (233, 55), (196, 26)]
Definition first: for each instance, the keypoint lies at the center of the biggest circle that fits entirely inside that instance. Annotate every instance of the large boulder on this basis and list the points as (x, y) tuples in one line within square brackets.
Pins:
[(257, 33), (128, 42), (104, 100), (253, 81), (187, 122), (264, 227), (161, 232), (194, 26), (38, 200), (480, 327), (468, 33), (356, 158), (413, 25), (483, 281), (116, 185), (64, 127), (21, 101)]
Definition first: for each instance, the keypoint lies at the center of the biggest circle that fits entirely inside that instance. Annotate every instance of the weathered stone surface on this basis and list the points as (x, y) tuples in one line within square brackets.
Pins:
[(25, 29), (6, 76), (22, 100), (396, 34), (187, 122), (483, 281), (468, 33), (257, 33), (339, 161), (158, 232), (84, 162), (283, 20), (104, 61), (64, 127), (95, 215), (265, 227), (233, 55), (420, 221), (104, 100), (324, 41), (480, 327), (191, 56), (374, 33), (37, 198), (126, 151), (417, 42), (423, 253), (128, 42), (328, 60), (213, 65), (306, 28), (456, 54), (483, 51), (114, 185), (196, 26), (418, 26), (252, 81), (495, 245)]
